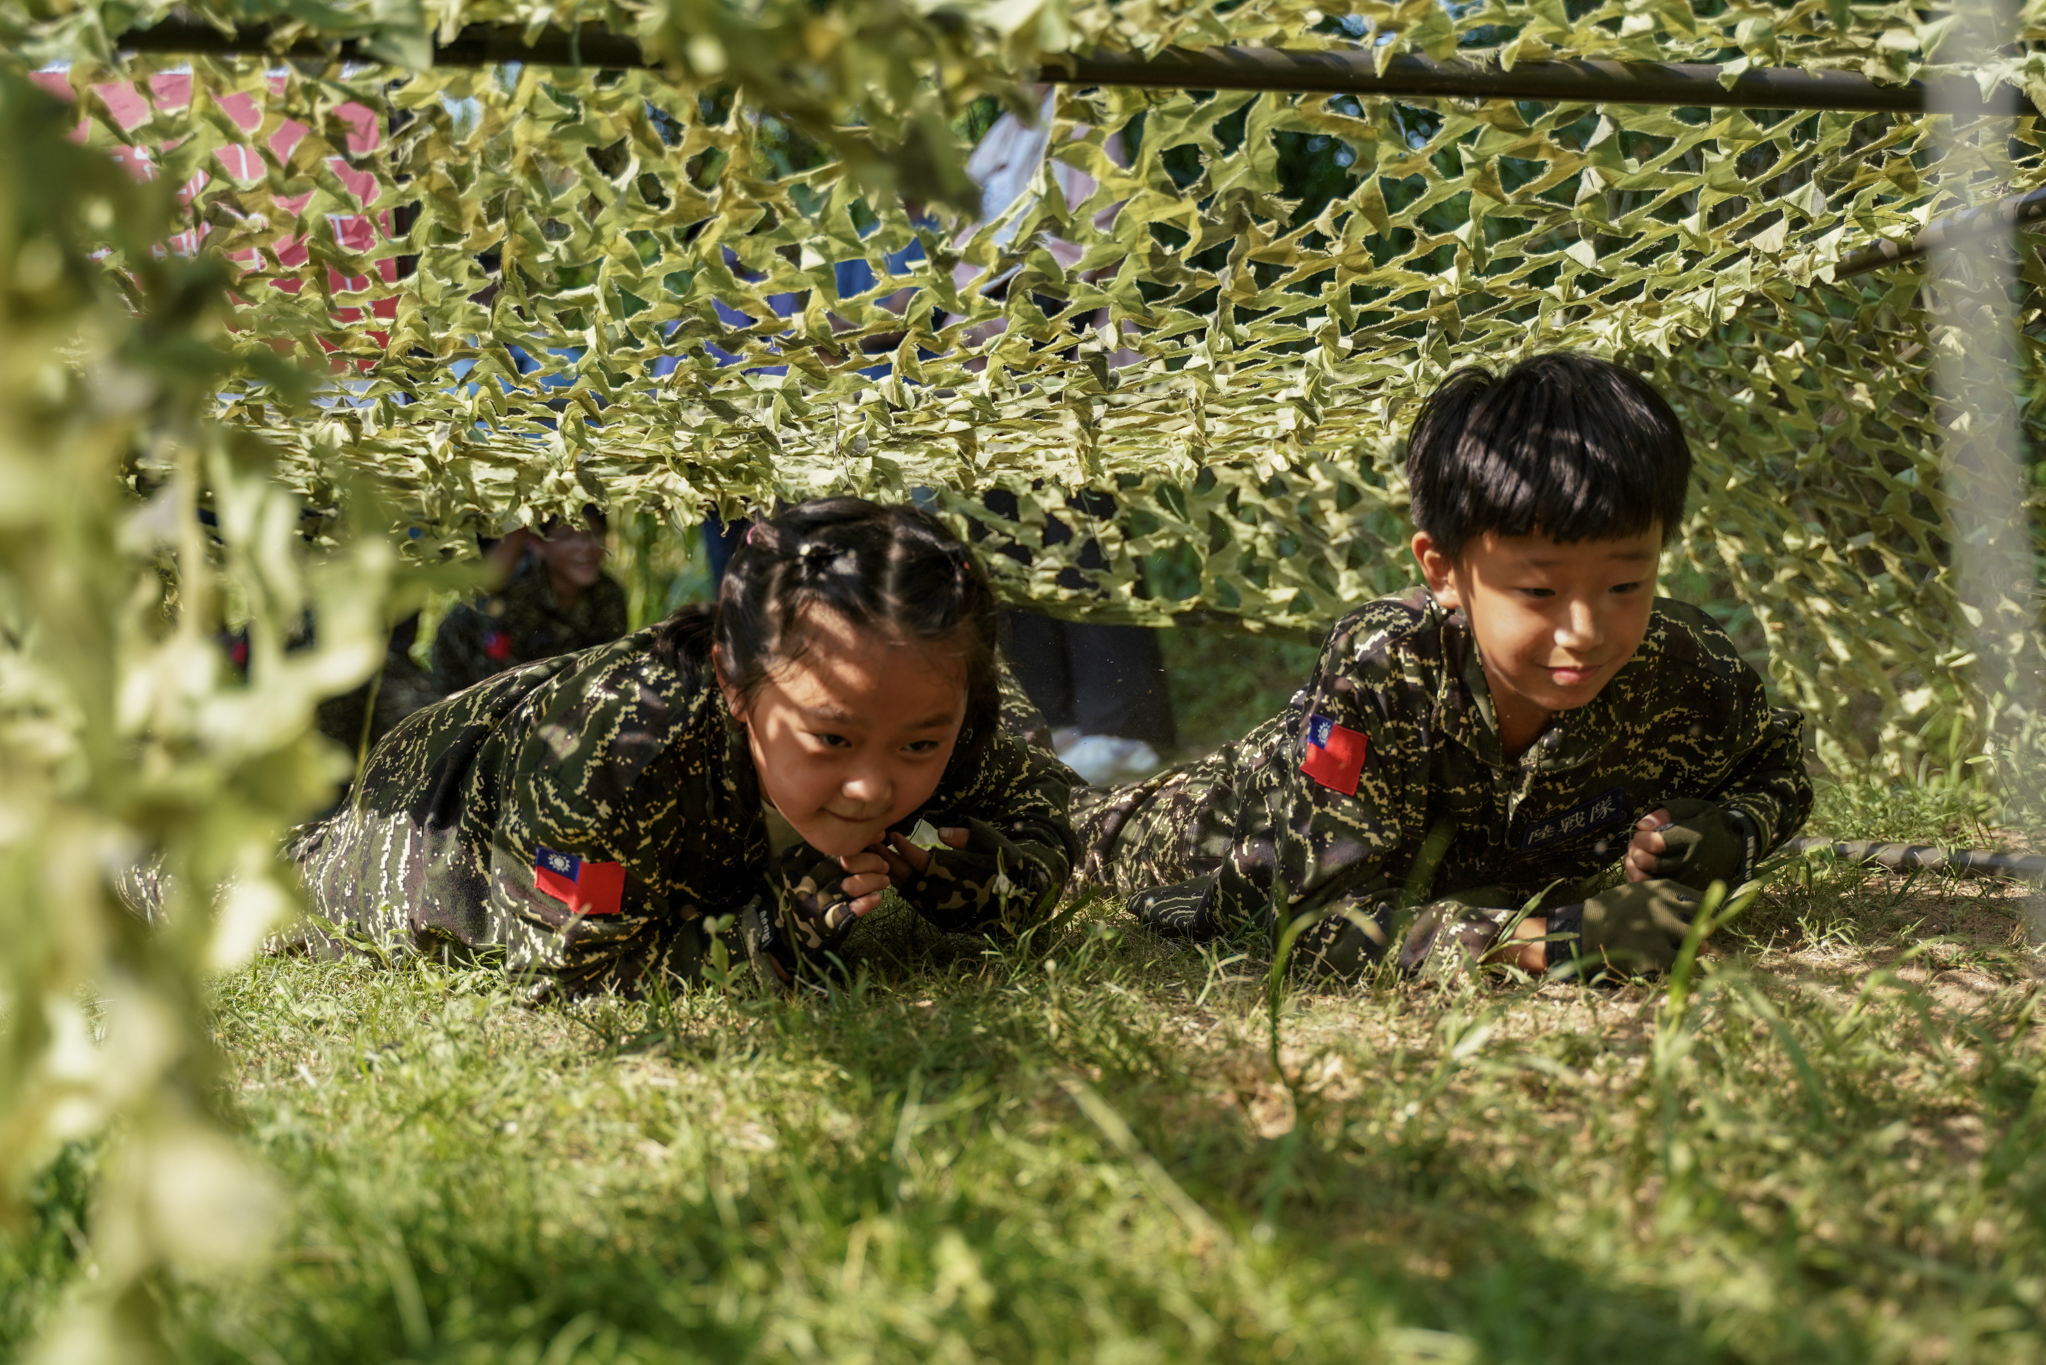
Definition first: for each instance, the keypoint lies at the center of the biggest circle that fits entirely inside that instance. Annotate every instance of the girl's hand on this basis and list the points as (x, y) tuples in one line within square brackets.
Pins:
[(906, 860), (866, 877), (501, 560), (1647, 845)]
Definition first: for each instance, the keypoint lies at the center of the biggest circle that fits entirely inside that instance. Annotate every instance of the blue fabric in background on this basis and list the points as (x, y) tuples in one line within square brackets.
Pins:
[(857, 277)]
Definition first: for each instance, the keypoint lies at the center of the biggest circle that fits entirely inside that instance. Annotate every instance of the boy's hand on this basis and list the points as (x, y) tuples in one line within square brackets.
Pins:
[(1647, 845), (866, 877), (905, 860)]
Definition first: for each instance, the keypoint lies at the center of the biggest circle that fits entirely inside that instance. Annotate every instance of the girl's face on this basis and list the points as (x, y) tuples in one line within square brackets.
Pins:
[(853, 735)]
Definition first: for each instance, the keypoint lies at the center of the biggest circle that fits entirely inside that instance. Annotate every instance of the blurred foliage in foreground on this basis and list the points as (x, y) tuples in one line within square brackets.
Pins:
[(126, 739)]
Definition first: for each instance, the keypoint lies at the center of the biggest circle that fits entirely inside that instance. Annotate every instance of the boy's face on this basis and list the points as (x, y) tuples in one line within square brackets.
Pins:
[(1553, 622)]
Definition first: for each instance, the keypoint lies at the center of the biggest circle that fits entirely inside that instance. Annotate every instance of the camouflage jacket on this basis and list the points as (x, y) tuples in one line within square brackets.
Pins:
[(483, 820), (522, 623), (1264, 831)]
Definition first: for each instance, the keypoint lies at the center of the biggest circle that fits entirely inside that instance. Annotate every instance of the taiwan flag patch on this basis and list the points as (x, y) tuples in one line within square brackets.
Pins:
[(1335, 755), (586, 888)]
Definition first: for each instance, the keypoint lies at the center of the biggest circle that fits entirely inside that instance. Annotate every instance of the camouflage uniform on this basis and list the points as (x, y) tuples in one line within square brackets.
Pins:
[(1245, 838), (522, 623), (622, 761)]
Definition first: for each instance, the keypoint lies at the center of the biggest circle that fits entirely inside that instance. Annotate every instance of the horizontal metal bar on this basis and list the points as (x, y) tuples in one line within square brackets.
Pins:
[(476, 45), (1350, 71), (1355, 72), (1986, 220), (1902, 857)]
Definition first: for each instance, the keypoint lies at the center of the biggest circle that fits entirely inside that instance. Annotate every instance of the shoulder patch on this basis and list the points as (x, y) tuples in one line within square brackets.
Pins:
[(586, 888), (1389, 635), (1335, 754)]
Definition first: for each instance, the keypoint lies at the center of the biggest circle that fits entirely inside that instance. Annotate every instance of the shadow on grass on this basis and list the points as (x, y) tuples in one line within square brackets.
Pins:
[(898, 1171), (1076, 1147)]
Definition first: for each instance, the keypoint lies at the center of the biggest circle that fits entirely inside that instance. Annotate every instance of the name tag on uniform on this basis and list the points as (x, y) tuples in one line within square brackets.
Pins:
[(1335, 754), (586, 888), (1602, 809)]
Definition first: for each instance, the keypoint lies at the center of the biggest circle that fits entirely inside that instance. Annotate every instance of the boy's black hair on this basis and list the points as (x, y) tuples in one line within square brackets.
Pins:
[(1563, 445), (884, 568)]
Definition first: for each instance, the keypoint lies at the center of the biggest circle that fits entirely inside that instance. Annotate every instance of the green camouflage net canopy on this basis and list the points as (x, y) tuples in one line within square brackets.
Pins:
[(760, 270)]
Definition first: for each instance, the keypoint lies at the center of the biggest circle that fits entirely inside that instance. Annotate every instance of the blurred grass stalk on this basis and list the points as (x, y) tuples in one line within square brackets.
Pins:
[(1973, 283), (660, 563)]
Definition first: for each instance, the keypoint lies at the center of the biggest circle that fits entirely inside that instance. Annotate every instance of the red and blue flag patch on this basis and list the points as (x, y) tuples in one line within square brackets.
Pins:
[(1335, 755), (586, 888)]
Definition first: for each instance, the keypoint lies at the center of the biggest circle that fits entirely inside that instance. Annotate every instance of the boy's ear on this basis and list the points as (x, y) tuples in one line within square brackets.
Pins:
[(1437, 568)]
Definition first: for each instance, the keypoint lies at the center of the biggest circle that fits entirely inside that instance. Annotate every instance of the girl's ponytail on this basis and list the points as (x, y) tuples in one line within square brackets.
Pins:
[(888, 568)]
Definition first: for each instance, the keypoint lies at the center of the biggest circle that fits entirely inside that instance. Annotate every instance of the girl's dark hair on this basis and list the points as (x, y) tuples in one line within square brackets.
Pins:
[(883, 568), (1566, 445)]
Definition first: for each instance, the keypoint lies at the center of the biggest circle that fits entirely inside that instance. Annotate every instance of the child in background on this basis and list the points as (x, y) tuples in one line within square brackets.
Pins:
[(550, 595), (835, 726), (1531, 718)]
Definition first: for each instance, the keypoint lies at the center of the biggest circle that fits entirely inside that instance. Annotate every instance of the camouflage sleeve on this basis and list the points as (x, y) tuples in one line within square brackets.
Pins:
[(575, 783), (1020, 846), (578, 865), (1323, 831), (1768, 789)]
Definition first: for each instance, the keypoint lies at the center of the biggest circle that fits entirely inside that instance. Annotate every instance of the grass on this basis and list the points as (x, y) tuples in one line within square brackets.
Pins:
[(1903, 812), (1079, 1148)]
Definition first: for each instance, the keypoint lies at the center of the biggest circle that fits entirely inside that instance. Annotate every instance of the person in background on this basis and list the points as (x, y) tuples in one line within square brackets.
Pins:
[(1102, 688), (553, 597), (357, 719)]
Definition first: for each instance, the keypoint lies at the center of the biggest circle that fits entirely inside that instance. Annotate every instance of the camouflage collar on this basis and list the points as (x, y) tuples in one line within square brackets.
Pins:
[(1465, 699), (1573, 738)]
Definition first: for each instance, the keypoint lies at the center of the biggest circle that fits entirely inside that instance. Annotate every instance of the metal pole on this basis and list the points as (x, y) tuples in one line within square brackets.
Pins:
[(1989, 220), (1351, 71), (1978, 365), (1901, 857), (476, 45), (1355, 72)]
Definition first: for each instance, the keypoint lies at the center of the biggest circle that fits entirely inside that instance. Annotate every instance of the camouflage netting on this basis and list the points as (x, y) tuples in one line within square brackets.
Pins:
[(763, 270), (536, 287)]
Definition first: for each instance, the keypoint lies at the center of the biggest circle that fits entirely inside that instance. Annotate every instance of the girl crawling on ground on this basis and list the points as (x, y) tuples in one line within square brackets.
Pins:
[(762, 770)]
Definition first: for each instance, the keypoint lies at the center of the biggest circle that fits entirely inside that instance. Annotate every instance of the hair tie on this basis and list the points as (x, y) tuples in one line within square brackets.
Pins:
[(815, 558), (960, 559)]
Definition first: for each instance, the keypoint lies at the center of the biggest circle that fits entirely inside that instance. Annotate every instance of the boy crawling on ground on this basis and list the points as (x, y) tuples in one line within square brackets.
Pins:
[(1534, 715)]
